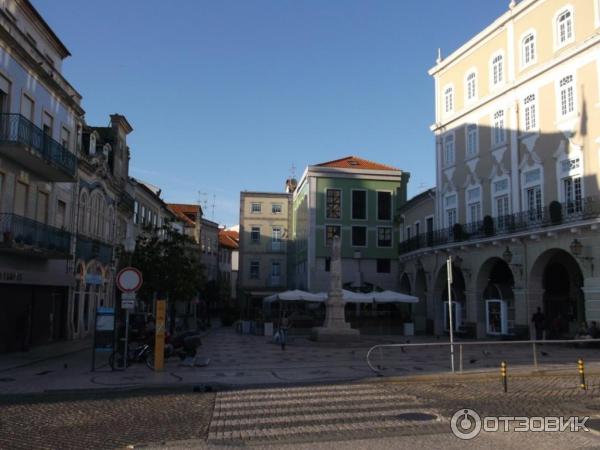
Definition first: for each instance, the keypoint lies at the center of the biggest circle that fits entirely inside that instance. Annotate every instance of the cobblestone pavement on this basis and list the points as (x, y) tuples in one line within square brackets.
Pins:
[(102, 420), (371, 415)]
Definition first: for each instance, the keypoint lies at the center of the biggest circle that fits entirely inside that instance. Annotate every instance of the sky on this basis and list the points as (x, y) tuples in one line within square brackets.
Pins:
[(226, 96)]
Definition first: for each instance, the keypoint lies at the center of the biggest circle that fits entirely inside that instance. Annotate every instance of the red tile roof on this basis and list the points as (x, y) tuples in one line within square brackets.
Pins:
[(229, 239), (354, 162), (185, 212)]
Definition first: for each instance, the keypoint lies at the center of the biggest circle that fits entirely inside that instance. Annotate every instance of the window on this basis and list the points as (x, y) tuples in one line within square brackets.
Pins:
[(359, 205), (451, 210), (254, 269), (255, 208), (449, 150), (472, 140), (564, 30), (408, 232), (359, 236), (330, 232), (566, 96), (27, 107), (384, 266), (61, 214), (449, 99), (41, 213), (276, 239), (533, 202), (255, 235), (328, 264), (384, 236), (417, 228), (499, 134), (275, 273), (276, 208), (572, 194), (384, 206), (502, 211), (529, 113), (65, 137), (334, 204), (136, 212), (21, 194), (471, 86), (474, 205), (528, 50), (497, 70)]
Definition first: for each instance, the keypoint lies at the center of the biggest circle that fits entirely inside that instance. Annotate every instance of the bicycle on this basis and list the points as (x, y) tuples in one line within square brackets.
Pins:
[(141, 353)]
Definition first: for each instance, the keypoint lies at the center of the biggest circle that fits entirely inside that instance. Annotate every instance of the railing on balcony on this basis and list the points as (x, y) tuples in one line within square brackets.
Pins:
[(533, 220), (22, 233), (16, 129), (88, 248)]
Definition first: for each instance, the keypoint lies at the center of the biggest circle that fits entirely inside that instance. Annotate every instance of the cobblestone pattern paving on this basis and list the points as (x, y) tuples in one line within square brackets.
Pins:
[(373, 410), (102, 421), (318, 412)]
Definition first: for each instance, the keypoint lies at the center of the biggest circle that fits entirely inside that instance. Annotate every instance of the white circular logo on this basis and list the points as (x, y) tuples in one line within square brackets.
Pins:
[(465, 424)]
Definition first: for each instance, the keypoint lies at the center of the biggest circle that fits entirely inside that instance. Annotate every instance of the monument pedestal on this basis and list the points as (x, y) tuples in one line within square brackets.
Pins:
[(335, 328)]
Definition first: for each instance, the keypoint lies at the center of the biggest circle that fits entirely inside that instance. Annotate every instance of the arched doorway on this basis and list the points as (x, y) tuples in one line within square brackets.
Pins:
[(496, 283), (459, 300), (557, 275)]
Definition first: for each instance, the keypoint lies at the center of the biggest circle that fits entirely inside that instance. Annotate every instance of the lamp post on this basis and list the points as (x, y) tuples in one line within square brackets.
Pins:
[(129, 247)]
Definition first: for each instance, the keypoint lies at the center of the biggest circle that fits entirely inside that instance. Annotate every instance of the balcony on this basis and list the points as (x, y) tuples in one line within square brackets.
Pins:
[(88, 249), (26, 236), (276, 247), (28, 145), (523, 222)]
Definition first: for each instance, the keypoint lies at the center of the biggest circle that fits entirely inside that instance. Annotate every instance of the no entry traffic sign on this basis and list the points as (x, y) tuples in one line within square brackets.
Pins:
[(129, 279)]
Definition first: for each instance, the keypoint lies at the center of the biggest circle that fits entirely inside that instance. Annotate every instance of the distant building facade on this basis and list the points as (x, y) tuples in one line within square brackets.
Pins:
[(357, 200), (264, 230)]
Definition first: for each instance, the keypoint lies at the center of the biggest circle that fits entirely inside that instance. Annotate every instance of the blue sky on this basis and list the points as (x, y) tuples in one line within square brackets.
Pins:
[(226, 95)]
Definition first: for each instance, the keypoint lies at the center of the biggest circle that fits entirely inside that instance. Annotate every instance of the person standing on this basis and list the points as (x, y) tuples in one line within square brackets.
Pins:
[(538, 320), (284, 324)]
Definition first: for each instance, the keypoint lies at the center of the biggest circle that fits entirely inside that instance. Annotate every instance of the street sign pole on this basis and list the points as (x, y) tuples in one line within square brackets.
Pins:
[(125, 354), (450, 318)]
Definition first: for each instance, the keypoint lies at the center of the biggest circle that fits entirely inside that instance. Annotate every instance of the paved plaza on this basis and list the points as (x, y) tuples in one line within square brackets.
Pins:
[(312, 395), (246, 360)]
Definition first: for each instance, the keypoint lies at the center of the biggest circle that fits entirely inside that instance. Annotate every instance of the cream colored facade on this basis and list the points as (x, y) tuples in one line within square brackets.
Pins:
[(264, 225), (516, 127)]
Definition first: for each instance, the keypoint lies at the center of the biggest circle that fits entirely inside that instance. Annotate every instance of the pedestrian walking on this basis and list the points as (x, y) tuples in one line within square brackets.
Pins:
[(539, 320), (284, 324)]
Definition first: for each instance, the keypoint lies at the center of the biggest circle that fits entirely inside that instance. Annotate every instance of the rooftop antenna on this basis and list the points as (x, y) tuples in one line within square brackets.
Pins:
[(439, 56), (202, 200), (212, 214), (293, 171)]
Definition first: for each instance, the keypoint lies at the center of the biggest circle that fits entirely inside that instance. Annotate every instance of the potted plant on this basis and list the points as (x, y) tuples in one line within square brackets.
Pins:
[(488, 225), (555, 209)]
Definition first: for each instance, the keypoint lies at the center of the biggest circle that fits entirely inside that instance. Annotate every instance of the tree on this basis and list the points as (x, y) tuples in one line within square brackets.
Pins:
[(170, 264)]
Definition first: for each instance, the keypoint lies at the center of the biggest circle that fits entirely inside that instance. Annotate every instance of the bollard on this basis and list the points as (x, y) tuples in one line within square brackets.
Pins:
[(503, 374), (581, 374)]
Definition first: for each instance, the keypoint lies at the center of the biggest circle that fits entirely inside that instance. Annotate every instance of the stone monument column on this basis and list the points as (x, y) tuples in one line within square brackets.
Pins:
[(335, 327)]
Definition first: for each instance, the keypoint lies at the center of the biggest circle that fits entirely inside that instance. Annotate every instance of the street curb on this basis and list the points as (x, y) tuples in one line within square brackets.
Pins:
[(488, 375)]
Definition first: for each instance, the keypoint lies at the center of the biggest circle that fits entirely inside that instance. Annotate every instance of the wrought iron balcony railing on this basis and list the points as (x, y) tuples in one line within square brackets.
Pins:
[(23, 234), (88, 249), (16, 129), (533, 220)]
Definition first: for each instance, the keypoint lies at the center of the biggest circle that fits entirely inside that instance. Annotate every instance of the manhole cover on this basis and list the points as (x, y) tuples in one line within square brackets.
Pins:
[(6, 380), (416, 416)]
